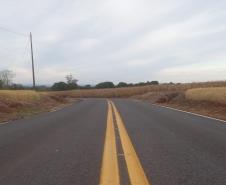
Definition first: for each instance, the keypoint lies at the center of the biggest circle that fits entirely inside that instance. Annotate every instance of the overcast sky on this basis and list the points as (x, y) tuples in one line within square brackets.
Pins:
[(115, 40)]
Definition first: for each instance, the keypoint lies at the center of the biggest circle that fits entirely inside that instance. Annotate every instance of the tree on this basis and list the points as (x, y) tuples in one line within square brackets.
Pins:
[(122, 84), (6, 77), (154, 83), (105, 85), (1, 84), (71, 81), (141, 84), (59, 86)]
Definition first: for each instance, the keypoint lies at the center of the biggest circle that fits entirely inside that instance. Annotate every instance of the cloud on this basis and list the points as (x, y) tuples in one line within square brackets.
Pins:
[(117, 40), (189, 73), (87, 44)]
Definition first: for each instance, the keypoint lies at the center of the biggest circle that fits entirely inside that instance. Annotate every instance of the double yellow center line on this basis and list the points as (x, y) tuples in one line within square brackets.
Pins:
[(110, 170)]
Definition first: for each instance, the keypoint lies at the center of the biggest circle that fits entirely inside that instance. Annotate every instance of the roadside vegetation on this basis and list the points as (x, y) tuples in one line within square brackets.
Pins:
[(215, 95), (20, 95), (208, 98), (16, 104)]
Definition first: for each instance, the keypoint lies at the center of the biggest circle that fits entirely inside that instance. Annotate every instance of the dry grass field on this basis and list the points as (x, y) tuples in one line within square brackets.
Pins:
[(19, 95), (132, 91), (216, 95), (20, 103), (29, 95)]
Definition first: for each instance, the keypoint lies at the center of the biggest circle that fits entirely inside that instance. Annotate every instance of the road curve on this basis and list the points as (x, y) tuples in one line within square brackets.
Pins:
[(67, 147)]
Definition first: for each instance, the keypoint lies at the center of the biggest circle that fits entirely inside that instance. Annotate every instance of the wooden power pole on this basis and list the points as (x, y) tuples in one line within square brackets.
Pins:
[(32, 60)]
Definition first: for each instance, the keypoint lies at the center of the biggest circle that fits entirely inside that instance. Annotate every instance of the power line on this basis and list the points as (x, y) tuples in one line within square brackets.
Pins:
[(14, 32), (31, 45)]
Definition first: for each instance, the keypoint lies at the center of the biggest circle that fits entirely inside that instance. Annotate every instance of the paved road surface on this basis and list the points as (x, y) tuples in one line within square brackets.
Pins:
[(142, 144)]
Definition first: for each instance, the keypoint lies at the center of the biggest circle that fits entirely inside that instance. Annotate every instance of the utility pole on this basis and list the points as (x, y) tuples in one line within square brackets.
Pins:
[(32, 60)]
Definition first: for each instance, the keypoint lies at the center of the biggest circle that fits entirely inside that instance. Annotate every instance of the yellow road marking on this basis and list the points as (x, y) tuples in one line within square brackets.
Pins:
[(109, 170), (136, 173)]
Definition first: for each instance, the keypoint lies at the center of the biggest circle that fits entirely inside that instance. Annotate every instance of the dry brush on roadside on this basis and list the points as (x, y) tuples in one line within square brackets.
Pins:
[(207, 99), (126, 92), (15, 104), (215, 95)]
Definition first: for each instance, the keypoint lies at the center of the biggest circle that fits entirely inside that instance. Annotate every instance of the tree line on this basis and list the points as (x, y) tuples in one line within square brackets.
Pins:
[(7, 76), (71, 83)]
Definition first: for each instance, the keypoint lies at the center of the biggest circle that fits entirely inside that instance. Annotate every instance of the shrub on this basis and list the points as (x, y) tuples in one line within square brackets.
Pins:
[(103, 85), (60, 86), (122, 84)]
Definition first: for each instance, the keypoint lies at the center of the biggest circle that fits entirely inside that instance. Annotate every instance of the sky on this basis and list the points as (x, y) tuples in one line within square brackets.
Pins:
[(114, 40)]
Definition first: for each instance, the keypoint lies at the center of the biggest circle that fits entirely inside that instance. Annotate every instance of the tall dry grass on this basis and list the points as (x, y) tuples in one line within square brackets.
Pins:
[(19, 95), (29, 95), (132, 91), (18, 103), (212, 94)]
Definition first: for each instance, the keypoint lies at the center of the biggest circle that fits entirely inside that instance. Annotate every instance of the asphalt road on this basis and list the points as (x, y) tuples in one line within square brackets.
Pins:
[(66, 147)]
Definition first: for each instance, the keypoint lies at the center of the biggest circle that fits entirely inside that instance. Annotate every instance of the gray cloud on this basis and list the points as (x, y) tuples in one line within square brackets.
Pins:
[(118, 40)]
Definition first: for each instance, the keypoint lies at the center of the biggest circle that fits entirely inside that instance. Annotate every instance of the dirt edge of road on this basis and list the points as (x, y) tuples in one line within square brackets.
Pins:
[(210, 101), (17, 109), (177, 100)]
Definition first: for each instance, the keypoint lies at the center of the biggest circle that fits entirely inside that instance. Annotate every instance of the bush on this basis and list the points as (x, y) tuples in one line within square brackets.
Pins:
[(60, 86), (154, 83), (1, 84), (122, 84), (72, 86), (103, 85)]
